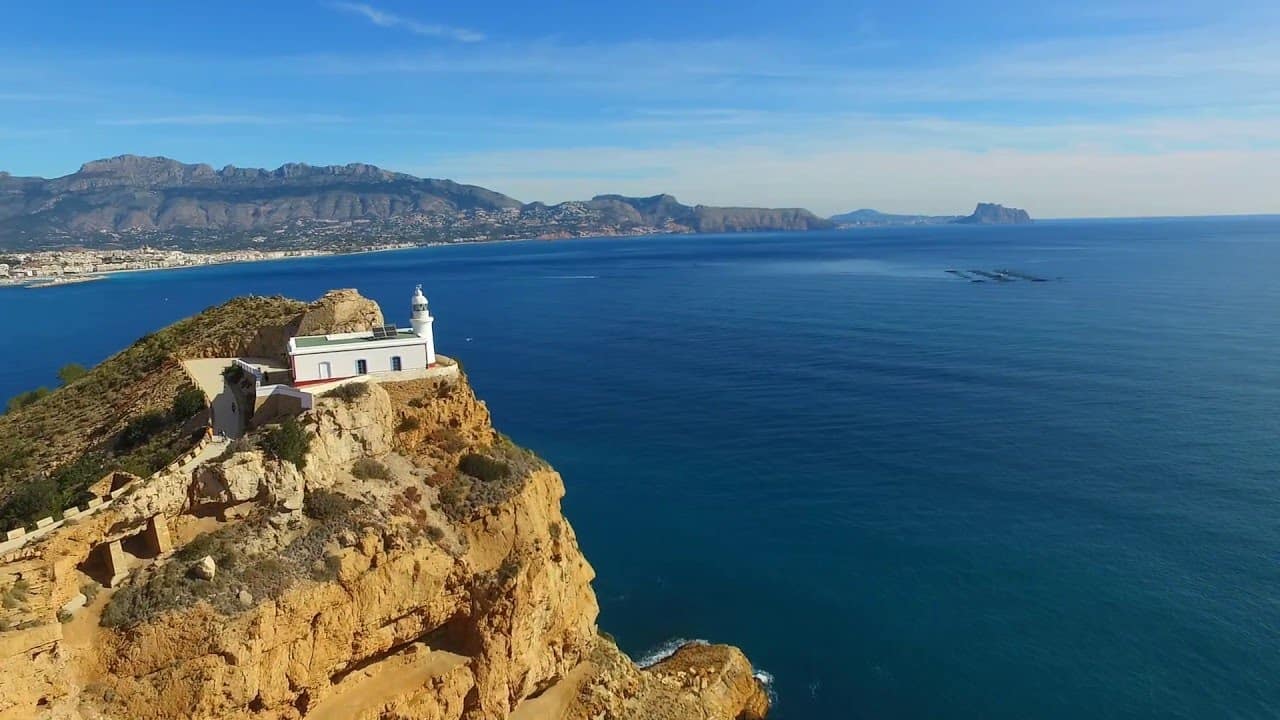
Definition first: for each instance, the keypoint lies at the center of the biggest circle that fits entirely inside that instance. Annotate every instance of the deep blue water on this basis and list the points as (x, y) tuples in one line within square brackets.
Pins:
[(904, 495)]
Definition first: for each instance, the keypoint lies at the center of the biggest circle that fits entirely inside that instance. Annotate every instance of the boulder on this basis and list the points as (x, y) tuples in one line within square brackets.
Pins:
[(205, 568)]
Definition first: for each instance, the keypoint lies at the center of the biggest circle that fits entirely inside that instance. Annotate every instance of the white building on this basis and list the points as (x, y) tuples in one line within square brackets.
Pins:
[(322, 358)]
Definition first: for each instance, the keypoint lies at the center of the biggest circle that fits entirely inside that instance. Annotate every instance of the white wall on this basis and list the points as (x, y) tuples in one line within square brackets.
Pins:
[(343, 360)]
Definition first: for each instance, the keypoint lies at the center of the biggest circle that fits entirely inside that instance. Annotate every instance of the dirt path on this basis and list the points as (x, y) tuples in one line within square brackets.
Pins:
[(554, 701), (378, 684)]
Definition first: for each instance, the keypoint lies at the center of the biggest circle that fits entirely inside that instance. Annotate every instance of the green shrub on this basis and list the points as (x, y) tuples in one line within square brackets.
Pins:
[(27, 398), (188, 402), (90, 591), (49, 496), (140, 430), (288, 441), (233, 374), (71, 372), (32, 500), (349, 392), (370, 469), (483, 467), (327, 505), (408, 423)]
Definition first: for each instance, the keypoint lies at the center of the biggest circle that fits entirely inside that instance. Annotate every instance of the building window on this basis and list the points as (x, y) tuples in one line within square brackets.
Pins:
[(395, 363), (362, 367)]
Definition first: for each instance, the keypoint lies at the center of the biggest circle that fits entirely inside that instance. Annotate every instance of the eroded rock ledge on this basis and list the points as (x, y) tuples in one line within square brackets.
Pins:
[(394, 576)]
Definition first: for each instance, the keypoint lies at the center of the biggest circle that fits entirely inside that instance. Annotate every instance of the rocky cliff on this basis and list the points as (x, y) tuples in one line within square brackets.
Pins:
[(412, 563)]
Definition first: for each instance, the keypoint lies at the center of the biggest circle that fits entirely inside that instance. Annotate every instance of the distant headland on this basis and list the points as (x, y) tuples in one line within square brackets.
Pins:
[(983, 214)]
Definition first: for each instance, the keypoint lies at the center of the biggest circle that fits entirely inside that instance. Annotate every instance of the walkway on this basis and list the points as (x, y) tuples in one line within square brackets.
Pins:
[(228, 416)]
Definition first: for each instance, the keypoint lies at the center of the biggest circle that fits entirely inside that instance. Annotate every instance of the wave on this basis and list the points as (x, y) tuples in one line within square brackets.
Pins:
[(766, 679), (666, 650), (669, 648), (571, 277)]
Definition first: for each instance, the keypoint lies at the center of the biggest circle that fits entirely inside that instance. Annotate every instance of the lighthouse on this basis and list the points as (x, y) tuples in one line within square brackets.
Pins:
[(421, 320)]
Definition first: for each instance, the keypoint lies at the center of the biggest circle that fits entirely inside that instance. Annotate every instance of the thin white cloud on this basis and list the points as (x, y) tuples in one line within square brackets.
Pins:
[(385, 19), (202, 120)]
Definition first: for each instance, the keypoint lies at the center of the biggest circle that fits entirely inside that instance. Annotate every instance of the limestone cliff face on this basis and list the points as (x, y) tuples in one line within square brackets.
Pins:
[(428, 593)]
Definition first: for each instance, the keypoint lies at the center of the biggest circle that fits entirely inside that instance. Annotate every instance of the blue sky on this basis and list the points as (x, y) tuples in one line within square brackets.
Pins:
[(1068, 109)]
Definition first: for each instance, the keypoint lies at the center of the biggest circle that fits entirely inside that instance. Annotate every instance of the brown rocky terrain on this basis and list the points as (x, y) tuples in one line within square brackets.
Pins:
[(413, 563)]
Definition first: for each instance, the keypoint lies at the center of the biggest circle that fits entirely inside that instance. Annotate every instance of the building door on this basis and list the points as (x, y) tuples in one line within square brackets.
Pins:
[(362, 367), (395, 363), (326, 370)]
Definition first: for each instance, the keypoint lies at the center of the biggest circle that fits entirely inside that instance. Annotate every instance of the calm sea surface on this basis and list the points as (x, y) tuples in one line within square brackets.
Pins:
[(903, 494)]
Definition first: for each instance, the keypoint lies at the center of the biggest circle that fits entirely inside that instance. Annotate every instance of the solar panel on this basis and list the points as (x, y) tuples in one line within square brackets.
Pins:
[(385, 332)]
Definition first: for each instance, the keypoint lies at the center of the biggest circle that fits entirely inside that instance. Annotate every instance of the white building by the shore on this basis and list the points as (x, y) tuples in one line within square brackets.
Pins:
[(324, 358)]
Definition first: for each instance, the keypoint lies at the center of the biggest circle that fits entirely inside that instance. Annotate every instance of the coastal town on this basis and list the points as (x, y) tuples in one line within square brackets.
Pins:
[(69, 257), (58, 267)]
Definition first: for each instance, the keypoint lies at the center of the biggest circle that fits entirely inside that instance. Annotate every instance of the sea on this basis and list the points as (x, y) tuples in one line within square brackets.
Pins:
[(903, 493)]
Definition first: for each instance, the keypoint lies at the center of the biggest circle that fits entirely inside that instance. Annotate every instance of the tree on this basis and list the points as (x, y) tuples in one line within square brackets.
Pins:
[(71, 372)]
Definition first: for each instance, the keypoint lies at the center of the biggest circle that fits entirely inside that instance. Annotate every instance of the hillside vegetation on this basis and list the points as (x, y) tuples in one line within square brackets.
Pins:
[(136, 411)]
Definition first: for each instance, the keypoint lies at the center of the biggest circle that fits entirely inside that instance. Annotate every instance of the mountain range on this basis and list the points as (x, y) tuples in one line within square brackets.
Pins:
[(983, 214), (148, 195)]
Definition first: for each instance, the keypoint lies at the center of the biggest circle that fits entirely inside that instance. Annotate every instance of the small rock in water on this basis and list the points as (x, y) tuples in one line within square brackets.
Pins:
[(205, 569)]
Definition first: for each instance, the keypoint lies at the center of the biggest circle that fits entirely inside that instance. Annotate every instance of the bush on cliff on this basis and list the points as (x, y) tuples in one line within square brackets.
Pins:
[(349, 392), (49, 496), (140, 430), (370, 469), (483, 467), (188, 402), (327, 505), (71, 372), (29, 397), (288, 441)]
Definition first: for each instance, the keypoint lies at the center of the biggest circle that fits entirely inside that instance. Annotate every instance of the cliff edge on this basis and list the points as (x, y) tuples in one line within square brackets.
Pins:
[(384, 554)]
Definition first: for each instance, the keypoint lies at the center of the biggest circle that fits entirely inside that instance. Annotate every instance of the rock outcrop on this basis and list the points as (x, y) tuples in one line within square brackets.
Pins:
[(995, 214), (340, 311), (379, 580)]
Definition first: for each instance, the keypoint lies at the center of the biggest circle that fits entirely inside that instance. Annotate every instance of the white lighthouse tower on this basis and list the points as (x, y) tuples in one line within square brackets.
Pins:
[(421, 320)]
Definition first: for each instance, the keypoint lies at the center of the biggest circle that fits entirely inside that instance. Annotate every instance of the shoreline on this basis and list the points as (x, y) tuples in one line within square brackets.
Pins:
[(49, 281)]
